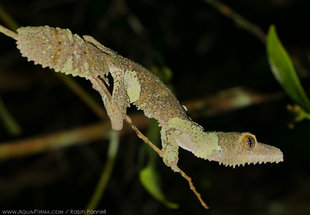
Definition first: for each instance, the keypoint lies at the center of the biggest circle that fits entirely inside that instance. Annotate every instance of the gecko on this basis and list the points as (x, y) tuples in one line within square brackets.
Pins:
[(133, 84)]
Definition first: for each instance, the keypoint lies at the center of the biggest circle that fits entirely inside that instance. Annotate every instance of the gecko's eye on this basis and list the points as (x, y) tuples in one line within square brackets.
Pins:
[(248, 141)]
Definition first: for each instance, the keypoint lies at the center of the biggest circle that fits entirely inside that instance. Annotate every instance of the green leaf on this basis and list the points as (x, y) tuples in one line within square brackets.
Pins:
[(283, 69), (149, 179)]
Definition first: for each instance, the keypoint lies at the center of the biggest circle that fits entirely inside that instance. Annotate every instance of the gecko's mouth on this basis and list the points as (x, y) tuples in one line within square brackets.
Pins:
[(233, 165)]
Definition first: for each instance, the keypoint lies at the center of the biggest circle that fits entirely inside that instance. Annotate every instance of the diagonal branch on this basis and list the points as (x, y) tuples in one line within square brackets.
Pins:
[(237, 18), (8, 32), (161, 154)]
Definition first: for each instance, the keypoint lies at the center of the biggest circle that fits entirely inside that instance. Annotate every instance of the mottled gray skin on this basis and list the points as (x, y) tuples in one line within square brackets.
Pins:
[(61, 50), (68, 53), (155, 99)]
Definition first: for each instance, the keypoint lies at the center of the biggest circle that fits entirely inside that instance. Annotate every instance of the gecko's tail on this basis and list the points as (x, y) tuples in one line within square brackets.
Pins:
[(61, 50)]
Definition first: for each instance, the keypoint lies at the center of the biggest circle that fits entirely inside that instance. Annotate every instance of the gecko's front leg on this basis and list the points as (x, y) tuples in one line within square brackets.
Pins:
[(115, 106), (170, 148)]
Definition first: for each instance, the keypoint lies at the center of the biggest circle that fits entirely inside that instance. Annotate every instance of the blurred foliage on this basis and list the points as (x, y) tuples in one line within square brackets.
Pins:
[(9, 122), (283, 69), (150, 180), (106, 172)]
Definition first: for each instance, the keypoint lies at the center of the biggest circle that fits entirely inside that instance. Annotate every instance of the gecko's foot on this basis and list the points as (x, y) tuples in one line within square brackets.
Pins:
[(116, 125), (171, 163)]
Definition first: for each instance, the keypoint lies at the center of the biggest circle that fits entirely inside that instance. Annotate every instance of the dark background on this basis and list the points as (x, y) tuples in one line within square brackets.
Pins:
[(206, 52)]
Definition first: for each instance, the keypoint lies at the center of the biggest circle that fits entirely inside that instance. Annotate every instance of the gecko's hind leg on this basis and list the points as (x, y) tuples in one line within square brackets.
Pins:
[(116, 111), (170, 148)]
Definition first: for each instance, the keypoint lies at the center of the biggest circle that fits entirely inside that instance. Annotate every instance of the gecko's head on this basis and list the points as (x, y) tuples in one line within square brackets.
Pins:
[(243, 148)]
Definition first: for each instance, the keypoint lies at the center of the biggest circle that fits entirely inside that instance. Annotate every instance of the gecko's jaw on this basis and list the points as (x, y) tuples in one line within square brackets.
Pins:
[(233, 165)]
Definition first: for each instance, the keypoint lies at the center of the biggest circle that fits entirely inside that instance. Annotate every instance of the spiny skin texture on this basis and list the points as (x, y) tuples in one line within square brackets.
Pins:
[(133, 84), (61, 50)]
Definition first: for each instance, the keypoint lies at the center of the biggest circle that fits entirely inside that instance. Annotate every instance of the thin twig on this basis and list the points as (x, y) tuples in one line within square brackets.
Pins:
[(227, 11), (191, 185), (161, 154), (144, 138), (8, 32)]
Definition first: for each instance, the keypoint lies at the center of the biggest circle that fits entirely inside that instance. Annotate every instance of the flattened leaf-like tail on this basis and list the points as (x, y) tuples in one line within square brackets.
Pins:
[(61, 50)]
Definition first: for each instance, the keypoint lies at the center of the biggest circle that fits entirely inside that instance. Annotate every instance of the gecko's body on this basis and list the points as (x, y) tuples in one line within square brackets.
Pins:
[(133, 84)]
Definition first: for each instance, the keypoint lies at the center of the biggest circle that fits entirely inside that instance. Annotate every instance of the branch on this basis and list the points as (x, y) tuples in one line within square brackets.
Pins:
[(8, 32), (43, 143), (244, 23), (62, 139)]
